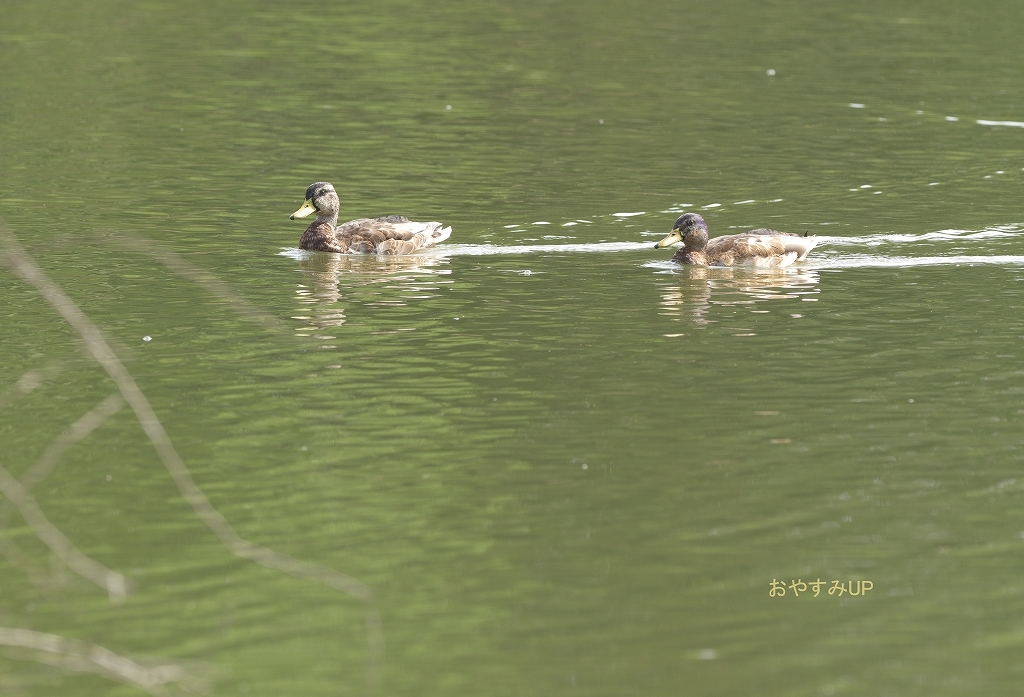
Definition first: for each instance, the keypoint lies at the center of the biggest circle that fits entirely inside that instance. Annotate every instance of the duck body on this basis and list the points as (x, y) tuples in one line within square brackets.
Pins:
[(761, 248), (390, 234)]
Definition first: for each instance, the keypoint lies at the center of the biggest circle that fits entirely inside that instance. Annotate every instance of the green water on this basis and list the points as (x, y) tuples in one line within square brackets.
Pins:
[(560, 471)]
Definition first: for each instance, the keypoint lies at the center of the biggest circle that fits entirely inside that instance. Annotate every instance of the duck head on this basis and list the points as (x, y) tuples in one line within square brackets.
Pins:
[(690, 229), (322, 199)]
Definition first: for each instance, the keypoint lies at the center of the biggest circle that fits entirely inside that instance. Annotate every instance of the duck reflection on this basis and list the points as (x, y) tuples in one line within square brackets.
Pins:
[(328, 280), (697, 289)]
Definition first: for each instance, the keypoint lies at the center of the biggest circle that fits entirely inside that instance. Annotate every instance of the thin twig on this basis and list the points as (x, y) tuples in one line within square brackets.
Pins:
[(22, 265), (111, 581), (213, 285), (39, 578), (77, 432), (27, 383), (92, 420), (84, 657)]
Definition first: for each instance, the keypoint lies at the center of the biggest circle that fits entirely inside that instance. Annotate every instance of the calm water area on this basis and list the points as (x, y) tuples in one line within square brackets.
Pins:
[(540, 458)]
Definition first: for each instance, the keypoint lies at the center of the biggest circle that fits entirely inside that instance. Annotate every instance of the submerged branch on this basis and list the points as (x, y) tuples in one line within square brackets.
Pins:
[(27, 383), (78, 431), (213, 285), (92, 420), (83, 657), (111, 581), (22, 265), (39, 578)]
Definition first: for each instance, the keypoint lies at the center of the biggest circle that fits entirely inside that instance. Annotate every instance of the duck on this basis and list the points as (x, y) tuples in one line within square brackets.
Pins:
[(389, 234), (761, 248)]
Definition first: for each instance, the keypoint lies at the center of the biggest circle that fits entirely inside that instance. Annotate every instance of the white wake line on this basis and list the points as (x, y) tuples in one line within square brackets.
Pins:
[(869, 261), (939, 236), (986, 122), (852, 261), (480, 250), (823, 241), (493, 249)]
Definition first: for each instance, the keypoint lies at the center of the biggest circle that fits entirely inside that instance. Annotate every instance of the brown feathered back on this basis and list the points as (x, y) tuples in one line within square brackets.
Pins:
[(390, 234), (393, 234), (762, 247)]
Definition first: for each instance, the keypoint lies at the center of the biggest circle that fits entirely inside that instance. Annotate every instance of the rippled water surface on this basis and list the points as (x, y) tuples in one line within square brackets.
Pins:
[(540, 459)]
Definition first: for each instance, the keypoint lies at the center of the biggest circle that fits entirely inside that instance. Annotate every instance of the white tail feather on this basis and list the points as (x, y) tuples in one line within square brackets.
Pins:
[(432, 233), (800, 245)]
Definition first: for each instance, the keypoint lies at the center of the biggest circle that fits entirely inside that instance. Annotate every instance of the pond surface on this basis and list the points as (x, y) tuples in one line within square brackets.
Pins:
[(540, 459)]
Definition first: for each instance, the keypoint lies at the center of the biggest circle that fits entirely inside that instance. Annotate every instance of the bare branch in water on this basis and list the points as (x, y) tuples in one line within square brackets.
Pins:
[(111, 581), (39, 578), (89, 658), (22, 265), (213, 285), (43, 466), (77, 432), (28, 383)]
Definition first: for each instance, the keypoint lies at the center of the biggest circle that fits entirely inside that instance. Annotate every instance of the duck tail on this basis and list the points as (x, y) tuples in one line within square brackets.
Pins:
[(801, 245), (430, 234), (441, 233), (416, 236)]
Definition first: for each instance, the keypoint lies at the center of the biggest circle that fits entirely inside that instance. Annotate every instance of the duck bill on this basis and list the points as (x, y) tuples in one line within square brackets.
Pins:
[(673, 238), (306, 209)]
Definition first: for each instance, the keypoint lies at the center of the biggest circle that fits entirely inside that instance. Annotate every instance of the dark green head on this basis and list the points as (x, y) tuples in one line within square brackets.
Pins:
[(690, 229)]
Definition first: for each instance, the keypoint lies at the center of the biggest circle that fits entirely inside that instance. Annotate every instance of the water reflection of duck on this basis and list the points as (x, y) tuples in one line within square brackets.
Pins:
[(391, 234), (330, 279), (361, 269), (697, 289), (761, 248)]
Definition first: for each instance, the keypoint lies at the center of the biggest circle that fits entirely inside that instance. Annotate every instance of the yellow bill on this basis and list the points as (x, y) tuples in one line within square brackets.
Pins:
[(306, 209), (672, 238)]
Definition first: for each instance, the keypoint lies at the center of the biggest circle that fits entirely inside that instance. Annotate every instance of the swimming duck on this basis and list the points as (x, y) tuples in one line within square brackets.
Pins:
[(762, 248), (390, 234)]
